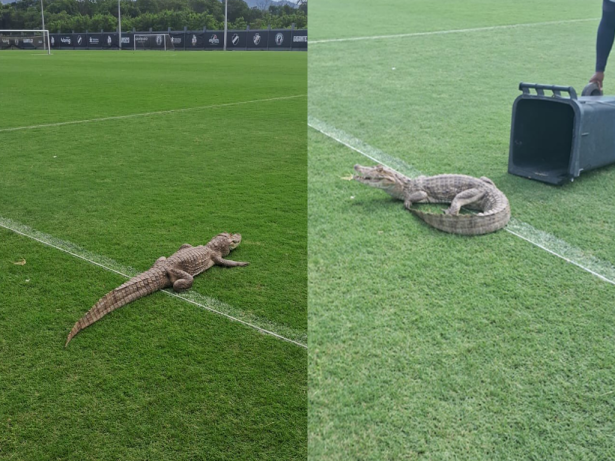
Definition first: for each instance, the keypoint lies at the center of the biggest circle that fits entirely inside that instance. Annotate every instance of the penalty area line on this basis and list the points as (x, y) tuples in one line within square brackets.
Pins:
[(545, 241), (210, 304), (147, 114)]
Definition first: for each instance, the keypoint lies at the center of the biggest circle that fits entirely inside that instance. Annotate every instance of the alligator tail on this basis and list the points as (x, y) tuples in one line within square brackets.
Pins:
[(137, 287), (467, 224)]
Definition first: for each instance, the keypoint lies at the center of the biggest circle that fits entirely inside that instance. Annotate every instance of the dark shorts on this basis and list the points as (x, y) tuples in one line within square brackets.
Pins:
[(608, 6)]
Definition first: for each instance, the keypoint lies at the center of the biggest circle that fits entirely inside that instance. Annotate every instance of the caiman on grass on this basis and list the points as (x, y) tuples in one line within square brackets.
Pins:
[(177, 271), (459, 190)]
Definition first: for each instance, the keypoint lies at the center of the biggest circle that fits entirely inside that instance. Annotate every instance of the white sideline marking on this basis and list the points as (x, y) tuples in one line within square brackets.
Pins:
[(453, 31), (543, 240), (191, 297), (146, 114)]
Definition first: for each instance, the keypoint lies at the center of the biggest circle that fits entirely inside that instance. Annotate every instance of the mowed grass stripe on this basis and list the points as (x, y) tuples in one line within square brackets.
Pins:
[(453, 120), (426, 344), (346, 19), (155, 380), (137, 189), (452, 31), (103, 84), (543, 240), (147, 114), (211, 304)]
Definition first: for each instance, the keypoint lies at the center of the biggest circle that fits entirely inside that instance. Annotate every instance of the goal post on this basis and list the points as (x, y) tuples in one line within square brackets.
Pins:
[(153, 42), (25, 39)]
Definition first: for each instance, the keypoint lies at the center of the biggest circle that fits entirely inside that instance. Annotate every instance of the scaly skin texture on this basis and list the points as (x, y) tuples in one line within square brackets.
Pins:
[(458, 190), (177, 271)]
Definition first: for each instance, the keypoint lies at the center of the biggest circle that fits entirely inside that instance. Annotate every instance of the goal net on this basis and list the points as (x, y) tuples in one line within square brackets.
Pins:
[(13, 39), (153, 42)]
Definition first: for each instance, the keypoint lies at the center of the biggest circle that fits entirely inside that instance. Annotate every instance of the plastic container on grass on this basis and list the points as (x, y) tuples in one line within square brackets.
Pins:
[(556, 136)]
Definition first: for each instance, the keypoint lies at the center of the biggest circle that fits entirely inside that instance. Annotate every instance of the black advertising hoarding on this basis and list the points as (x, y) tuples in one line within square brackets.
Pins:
[(283, 39), (28, 43), (280, 39), (257, 39), (178, 39), (102, 40), (236, 40), (80, 41), (195, 40), (214, 40), (22, 42), (62, 41), (300, 39), (151, 41), (127, 41)]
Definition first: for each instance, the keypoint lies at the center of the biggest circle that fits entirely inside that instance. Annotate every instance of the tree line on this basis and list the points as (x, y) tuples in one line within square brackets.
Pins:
[(141, 15)]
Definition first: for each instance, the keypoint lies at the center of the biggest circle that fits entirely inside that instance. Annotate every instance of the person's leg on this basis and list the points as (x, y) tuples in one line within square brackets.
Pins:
[(606, 35)]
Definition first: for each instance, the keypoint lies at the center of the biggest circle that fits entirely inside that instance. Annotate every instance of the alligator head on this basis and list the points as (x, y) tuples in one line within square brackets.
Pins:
[(225, 242), (383, 178)]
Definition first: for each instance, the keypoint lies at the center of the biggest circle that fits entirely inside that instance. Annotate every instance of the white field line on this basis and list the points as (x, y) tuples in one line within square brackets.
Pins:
[(211, 304), (543, 240), (453, 31), (147, 114)]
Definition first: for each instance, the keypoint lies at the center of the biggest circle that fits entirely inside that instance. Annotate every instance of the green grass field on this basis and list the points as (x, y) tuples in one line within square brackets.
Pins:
[(160, 378), (425, 345)]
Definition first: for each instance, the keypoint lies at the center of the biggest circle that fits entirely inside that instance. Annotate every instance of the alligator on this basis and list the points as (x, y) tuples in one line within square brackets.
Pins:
[(178, 271), (479, 194)]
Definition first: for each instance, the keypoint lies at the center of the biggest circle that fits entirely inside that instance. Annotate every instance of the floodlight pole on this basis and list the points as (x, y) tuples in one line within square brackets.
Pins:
[(119, 24), (225, 21), (43, 21)]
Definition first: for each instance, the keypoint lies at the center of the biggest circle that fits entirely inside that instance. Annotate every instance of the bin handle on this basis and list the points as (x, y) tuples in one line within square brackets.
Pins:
[(525, 87)]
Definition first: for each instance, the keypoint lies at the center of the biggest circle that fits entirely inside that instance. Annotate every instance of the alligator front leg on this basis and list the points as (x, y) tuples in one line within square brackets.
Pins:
[(415, 197), (465, 198), (180, 279), (226, 263)]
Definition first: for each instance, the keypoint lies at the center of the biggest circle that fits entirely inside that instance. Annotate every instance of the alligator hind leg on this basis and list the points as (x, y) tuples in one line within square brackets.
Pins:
[(180, 279), (415, 197), (487, 180), (465, 198), (160, 261)]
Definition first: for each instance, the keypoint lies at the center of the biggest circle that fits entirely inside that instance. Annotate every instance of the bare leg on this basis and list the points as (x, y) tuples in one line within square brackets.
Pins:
[(415, 197), (180, 279), (464, 198)]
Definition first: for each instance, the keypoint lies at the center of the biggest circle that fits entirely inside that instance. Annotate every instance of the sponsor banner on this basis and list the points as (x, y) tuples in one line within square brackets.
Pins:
[(257, 39), (8, 42), (178, 39), (150, 41), (80, 41), (236, 39), (280, 39), (195, 40), (209, 40), (299, 39), (127, 41), (61, 40), (214, 40)]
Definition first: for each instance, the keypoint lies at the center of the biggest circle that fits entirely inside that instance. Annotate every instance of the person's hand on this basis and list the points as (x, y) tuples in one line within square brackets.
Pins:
[(597, 78)]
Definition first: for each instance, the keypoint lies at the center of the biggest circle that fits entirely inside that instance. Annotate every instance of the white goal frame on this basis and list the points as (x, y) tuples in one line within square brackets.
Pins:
[(46, 41), (165, 35)]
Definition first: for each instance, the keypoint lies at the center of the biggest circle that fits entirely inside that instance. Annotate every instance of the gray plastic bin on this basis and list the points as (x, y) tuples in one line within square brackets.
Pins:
[(554, 137)]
